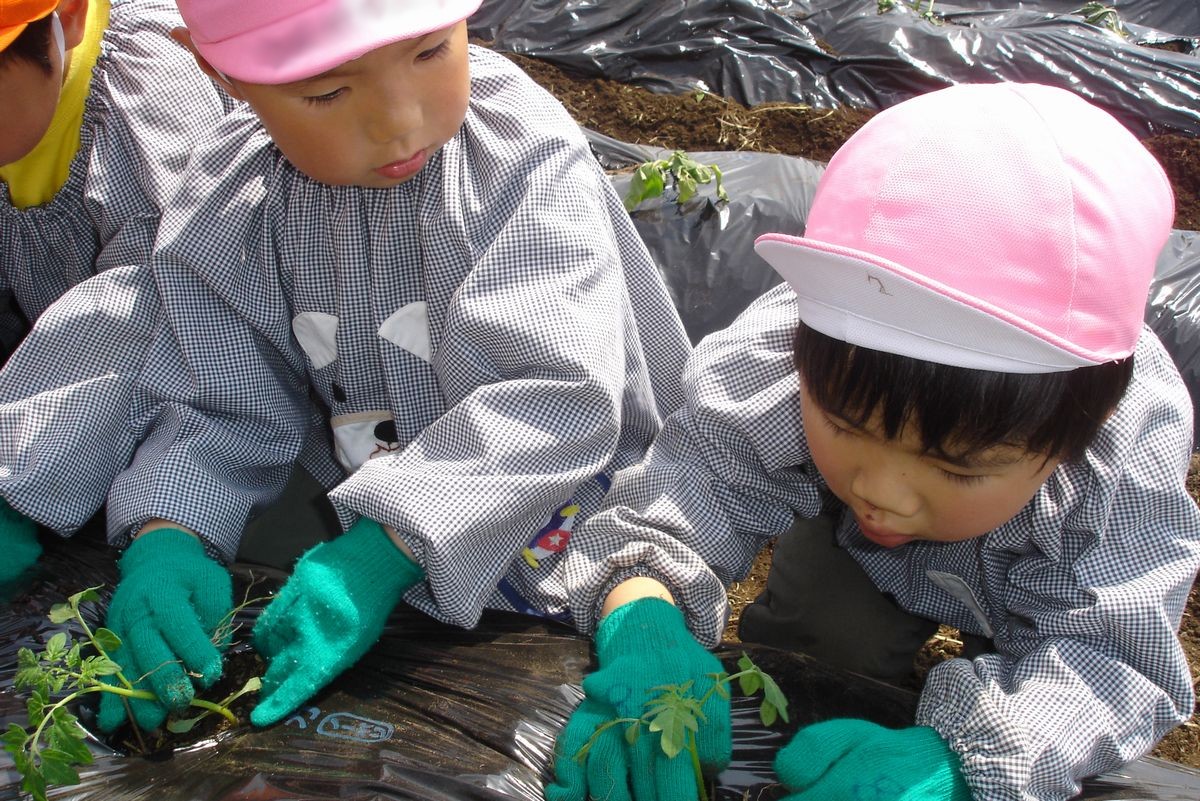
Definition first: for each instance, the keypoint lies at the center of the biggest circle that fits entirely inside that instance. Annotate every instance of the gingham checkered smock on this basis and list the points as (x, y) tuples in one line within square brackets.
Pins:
[(1082, 591), (491, 338), (147, 107)]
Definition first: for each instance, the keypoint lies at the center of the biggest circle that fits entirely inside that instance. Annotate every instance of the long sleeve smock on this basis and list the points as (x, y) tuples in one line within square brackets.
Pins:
[(491, 341), (148, 106), (1082, 591)]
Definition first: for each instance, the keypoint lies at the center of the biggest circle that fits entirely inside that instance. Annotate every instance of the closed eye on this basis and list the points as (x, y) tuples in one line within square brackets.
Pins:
[(961, 478), (328, 97)]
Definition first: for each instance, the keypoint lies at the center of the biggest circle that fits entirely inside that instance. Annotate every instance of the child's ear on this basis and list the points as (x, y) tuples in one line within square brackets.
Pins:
[(184, 37), (73, 16)]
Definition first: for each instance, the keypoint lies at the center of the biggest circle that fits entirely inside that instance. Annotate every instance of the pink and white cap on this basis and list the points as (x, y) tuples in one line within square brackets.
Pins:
[(1005, 227), (280, 41)]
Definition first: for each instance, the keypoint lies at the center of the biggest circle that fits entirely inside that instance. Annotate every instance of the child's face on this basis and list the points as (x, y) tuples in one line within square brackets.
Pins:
[(899, 493), (373, 121), (29, 97)]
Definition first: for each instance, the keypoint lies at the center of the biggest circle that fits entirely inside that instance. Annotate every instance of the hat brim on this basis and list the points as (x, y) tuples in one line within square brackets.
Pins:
[(874, 303), (312, 42)]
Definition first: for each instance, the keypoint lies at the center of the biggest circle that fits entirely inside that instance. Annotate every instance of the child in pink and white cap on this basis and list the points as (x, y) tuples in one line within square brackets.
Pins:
[(956, 375), (408, 230)]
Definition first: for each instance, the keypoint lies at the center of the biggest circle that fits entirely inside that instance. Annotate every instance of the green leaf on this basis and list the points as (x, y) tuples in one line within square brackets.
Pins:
[(750, 683), (95, 666), (61, 613), (67, 737), (647, 182), (56, 768), (73, 659), (84, 596), (56, 648), (687, 188), (30, 675), (632, 732), (673, 722), (107, 640), (35, 707), (182, 725), (32, 780), (774, 696), (14, 738)]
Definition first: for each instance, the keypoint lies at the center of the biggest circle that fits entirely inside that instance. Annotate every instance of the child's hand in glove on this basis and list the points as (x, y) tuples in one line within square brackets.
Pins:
[(166, 609), (641, 645), (328, 614), (18, 543), (850, 758)]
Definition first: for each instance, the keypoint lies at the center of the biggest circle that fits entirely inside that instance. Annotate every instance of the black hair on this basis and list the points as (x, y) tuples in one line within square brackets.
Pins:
[(32, 45), (959, 411)]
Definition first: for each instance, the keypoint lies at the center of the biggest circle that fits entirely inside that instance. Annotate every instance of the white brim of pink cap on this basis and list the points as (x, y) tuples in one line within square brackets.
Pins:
[(283, 41), (1003, 227)]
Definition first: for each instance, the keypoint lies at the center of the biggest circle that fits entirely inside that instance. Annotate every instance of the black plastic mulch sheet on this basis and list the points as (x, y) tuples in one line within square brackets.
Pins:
[(846, 52), (440, 713)]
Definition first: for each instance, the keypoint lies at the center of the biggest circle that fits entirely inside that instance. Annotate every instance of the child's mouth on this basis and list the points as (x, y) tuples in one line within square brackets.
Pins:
[(406, 168), (885, 539)]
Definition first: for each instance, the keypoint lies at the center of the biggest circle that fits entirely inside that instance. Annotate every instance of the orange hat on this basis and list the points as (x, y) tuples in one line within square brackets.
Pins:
[(15, 15)]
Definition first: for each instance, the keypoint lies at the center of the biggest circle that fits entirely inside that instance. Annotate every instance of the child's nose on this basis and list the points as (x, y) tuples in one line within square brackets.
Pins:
[(882, 489), (393, 118)]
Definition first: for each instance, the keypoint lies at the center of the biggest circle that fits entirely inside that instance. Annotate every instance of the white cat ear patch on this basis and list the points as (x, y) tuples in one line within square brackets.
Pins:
[(317, 334), (408, 328)]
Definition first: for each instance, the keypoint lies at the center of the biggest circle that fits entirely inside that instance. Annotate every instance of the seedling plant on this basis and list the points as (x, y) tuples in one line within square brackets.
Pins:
[(1103, 16), (681, 172), (928, 14), (676, 714), (50, 749)]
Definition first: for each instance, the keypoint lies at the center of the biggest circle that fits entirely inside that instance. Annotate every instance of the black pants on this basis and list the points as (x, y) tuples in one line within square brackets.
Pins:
[(820, 602), (300, 519)]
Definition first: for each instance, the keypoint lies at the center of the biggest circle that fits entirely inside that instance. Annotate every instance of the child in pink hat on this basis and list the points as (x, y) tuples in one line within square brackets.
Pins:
[(957, 376), (406, 229)]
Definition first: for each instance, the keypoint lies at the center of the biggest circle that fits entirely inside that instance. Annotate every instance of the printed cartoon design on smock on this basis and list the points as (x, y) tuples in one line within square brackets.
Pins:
[(362, 435)]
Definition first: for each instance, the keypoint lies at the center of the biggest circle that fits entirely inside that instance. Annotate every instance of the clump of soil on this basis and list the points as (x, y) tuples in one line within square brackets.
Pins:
[(705, 122), (241, 664)]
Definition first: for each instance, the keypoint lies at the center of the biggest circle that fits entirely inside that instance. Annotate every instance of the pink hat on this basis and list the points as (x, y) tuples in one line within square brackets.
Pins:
[(280, 41), (1006, 227)]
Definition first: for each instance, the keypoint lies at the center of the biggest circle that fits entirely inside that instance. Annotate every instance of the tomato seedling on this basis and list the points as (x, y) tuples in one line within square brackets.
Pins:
[(681, 172), (50, 749), (676, 714)]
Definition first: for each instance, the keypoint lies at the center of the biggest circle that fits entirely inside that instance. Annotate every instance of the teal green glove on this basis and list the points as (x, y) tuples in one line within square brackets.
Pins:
[(861, 761), (640, 646), (18, 543), (167, 608), (328, 614)]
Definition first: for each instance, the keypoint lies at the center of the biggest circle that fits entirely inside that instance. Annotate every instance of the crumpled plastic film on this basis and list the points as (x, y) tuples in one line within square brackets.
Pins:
[(440, 713), (846, 52)]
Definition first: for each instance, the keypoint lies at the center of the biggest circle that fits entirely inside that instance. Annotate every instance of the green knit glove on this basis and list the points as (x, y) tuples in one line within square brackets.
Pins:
[(640, 646), (328, 614), (167, 608), (19, 545), (861, 761)]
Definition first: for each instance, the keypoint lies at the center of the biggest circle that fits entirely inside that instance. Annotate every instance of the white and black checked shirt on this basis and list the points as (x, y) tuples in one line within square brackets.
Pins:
[(1082, 591), (148, 105), (493, 334)]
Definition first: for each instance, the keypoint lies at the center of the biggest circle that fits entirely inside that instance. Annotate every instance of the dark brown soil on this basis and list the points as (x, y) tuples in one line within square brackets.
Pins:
[(699, 122), (704, 122)]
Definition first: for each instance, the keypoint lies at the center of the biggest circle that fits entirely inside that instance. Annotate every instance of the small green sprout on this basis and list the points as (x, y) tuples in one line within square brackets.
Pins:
[(50, 749), (676, 714), (1103, 16), (683, 173), (885, 6)]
